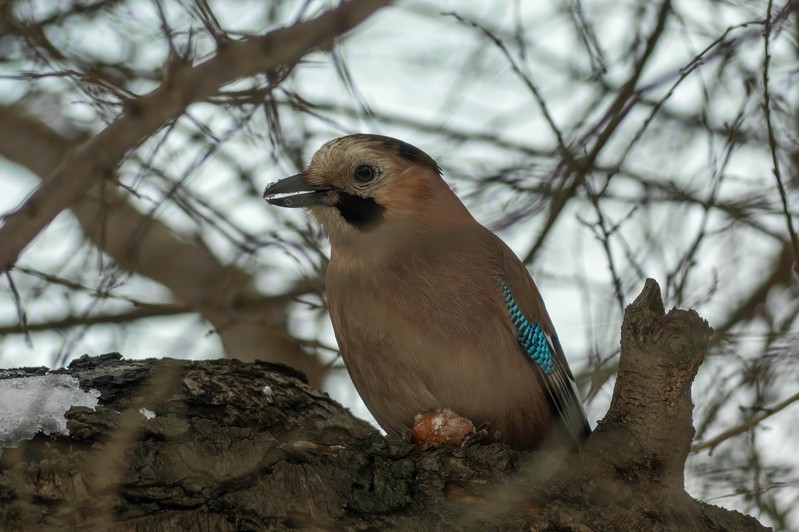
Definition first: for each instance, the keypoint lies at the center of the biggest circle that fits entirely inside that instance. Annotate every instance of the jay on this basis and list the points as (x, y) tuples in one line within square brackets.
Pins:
[(430, 309)]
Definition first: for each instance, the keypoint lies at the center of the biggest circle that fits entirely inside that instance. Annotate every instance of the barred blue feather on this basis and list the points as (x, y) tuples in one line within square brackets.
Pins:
[(547, 353), (531, 337)]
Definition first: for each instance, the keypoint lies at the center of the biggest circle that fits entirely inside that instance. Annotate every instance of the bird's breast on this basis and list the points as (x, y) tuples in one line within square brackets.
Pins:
[(418, 334), (409, 294)]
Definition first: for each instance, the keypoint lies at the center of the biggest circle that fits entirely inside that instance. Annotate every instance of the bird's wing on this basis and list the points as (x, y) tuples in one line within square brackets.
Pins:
[(538, 341)]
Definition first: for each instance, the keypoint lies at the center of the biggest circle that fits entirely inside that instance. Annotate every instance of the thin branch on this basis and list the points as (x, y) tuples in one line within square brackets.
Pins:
[(743, 427), (613, 117), (222, 293), (97, 158), (98, 319), (23, 318), (772, 140), (539, 98)]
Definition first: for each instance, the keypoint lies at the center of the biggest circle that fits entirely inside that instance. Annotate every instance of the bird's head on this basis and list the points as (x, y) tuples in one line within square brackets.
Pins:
[(360, 184)]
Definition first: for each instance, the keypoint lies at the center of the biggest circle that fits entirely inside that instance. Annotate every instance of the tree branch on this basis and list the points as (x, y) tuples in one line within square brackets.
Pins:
[(712, 443), (251, 446), (250, 325), (99, 319), (97, 158), (649, 421), (772, 139)]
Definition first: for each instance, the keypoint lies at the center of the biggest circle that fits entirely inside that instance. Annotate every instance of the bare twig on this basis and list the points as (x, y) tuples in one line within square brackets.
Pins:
[(612, 118), (98, 319), (743, 427), (772, 140), (23, 319), (98, 157)]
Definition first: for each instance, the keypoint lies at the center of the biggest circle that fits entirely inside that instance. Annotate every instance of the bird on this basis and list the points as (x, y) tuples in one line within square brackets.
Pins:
[(430, 309)]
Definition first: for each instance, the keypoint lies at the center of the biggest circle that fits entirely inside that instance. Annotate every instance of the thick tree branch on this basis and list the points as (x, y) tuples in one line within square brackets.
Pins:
[(251, 446), (649, 422), (97, 158)]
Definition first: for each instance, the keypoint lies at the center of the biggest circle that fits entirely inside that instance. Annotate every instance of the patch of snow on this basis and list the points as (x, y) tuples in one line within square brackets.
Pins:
[(439, 420), (146, 412), (37, 404)]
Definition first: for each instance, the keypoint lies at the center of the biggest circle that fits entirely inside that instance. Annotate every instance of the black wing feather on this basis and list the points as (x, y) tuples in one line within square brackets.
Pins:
[(565, 396)]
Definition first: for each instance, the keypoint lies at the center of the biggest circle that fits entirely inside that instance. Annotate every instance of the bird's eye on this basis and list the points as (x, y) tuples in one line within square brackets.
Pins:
[(365, 173)]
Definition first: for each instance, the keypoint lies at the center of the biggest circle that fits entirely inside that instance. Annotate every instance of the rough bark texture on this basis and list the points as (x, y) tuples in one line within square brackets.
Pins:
[(221, 454)]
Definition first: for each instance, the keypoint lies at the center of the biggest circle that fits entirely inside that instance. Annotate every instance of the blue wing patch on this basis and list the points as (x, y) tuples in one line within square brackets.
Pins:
[(530, 336)]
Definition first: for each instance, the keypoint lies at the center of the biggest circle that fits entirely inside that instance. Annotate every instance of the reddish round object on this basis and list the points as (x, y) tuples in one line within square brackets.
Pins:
[(441, 427)]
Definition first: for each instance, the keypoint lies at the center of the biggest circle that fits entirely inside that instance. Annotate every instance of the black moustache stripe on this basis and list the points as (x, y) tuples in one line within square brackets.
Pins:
[(364, 214)]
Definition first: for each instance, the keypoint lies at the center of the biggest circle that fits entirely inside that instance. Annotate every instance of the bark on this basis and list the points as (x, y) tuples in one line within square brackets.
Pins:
[(222, 454)]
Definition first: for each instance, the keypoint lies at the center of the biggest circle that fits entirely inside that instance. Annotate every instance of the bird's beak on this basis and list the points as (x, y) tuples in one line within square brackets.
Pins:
[(304, 195)]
